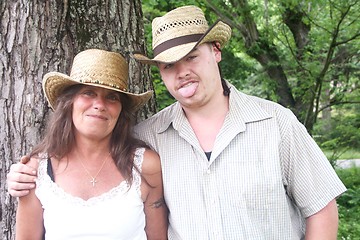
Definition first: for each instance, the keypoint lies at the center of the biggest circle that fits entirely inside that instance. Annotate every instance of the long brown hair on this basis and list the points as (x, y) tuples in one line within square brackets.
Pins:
[(59, 137)]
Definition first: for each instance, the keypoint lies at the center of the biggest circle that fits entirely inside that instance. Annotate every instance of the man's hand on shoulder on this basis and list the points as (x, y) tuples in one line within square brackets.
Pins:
[(21, 178)]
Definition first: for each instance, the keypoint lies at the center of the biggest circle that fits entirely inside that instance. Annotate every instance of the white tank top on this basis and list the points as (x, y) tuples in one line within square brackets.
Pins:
[(116, 214)]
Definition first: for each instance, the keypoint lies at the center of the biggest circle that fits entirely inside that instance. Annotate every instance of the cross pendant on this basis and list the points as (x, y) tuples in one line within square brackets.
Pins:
[(93, 181)]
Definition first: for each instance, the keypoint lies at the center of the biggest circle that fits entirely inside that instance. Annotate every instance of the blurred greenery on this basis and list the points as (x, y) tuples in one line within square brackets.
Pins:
[(349, 204), (323, 75), (348, 154), (336, 123), (339, 136), (265, 56)]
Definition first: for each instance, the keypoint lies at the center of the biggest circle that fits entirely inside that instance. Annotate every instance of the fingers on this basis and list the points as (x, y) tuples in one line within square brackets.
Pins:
[(19, 169), (19, 189), (24, 159), (20, 179), (15, 193)]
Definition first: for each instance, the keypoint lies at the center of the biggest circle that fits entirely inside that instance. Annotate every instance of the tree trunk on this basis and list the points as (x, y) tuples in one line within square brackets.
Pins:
[(41, 36)]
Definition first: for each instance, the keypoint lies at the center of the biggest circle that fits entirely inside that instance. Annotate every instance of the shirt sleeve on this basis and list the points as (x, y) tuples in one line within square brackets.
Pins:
[(309, 179)]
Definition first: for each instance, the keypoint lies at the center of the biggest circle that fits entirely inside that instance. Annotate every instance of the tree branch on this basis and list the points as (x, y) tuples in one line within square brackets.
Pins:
[(337, 103)]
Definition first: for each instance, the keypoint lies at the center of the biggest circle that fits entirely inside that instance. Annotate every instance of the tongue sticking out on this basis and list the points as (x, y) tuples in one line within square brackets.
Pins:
[(188, 90)]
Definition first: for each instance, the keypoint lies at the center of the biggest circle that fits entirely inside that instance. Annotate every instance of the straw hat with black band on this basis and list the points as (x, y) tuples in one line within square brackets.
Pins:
[(97, 68), (181, 30)]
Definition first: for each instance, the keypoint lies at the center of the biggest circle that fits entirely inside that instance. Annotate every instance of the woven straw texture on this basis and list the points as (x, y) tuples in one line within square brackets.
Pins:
[(98, 68), (182, 22)]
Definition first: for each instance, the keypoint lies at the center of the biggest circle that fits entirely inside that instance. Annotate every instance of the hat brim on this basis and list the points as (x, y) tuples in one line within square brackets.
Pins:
[(54, 83), (218, 32)]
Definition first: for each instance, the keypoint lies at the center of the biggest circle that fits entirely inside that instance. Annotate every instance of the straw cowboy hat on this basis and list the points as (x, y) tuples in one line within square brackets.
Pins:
[(179, 31), (97, 68)]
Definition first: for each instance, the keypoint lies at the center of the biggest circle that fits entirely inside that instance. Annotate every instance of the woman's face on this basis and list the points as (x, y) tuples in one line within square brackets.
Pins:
[(95, 112)]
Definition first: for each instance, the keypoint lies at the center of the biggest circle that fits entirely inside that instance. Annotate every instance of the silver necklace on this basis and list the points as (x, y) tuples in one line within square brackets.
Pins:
[(93, 178)]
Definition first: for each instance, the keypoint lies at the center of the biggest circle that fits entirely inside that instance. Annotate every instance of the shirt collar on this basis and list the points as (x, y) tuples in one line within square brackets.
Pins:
[(245, 108), (173, 115), (242, 109)]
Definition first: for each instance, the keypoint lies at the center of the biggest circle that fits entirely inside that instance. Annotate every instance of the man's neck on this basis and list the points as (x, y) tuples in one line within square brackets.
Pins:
[(217, 105), (206, 121)]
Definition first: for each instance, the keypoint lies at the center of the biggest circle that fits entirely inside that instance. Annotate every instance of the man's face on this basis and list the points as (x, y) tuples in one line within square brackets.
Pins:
[(194, 79)]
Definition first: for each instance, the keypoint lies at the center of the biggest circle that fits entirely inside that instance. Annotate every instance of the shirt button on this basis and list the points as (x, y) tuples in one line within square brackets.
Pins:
[(208, 171)]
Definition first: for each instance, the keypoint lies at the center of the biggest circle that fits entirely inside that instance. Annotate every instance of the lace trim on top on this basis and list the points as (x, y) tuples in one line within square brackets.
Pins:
[(45, 181), (138, 160)]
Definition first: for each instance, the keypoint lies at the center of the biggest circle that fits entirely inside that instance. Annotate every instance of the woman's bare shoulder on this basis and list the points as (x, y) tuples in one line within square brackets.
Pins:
[(151, 163)]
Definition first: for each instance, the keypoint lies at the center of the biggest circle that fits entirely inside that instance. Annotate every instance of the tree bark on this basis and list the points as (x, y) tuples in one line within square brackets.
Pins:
[(40, 36)]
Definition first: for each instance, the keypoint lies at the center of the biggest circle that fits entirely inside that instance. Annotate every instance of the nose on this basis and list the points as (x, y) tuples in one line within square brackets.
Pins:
[(182, 70), (99, 103)]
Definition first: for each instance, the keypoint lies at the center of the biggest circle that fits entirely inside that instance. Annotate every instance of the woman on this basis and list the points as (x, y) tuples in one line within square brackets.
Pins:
[(95, 180)]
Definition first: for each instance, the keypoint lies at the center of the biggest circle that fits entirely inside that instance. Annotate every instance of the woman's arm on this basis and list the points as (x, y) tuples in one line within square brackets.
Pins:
[(29, 215), (156, 211)]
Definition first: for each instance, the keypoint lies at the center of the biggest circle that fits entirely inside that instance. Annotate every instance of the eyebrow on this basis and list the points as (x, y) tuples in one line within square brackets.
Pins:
[(194, 49)]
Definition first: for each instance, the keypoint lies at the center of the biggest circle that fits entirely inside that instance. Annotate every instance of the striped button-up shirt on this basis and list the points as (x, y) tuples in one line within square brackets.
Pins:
[(264, 177)]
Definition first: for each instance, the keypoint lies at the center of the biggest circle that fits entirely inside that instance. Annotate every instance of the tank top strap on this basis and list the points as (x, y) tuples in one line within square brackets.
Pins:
[(138, 160), (43, 168)]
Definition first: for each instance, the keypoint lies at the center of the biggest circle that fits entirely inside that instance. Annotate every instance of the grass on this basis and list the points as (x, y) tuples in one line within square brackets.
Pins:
[(349, 154)]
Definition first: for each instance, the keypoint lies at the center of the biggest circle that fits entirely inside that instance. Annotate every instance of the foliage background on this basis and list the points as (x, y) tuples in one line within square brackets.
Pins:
[(348, 204), (313, 47), (311, 51)]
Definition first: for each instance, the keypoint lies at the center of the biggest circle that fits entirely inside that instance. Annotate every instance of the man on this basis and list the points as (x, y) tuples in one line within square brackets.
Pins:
[(234, 166)]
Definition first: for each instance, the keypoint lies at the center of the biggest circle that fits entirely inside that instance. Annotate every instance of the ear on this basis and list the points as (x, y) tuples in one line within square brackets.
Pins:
[(217, 50)]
